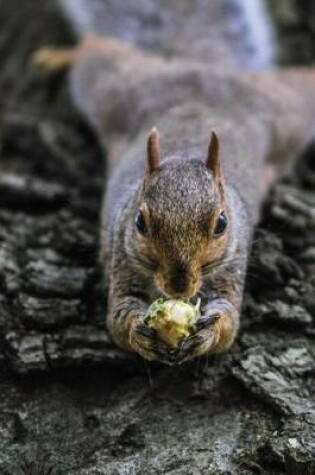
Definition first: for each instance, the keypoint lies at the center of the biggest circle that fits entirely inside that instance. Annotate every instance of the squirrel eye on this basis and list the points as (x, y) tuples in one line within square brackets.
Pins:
[(140, 223), (221, 225)]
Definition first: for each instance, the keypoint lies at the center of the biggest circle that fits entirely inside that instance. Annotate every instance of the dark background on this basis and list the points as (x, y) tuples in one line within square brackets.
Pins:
[(70, 401)]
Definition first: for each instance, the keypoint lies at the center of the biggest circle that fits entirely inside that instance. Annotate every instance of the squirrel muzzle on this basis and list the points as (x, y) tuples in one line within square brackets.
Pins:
[(178, 281)]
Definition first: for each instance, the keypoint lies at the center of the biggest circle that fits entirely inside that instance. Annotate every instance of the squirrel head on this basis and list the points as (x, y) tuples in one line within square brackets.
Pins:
[(181, 224)]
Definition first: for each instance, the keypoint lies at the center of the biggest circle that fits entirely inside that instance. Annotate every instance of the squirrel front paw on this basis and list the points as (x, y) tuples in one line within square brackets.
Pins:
[(146, 342), (215, 331)]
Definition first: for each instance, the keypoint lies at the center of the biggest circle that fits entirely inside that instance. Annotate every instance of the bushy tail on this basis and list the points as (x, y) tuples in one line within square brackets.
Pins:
[(231, 32)]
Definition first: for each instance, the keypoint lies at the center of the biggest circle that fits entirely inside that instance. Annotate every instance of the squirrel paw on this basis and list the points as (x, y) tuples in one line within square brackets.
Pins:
[(215, 332), (146, 342), (54, 59)]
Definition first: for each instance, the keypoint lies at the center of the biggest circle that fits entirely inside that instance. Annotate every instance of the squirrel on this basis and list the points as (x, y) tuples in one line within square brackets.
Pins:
[(199, 125)]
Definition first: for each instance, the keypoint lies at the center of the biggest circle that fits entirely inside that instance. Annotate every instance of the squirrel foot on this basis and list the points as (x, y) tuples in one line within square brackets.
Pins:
[(58, 59), (54, 59)]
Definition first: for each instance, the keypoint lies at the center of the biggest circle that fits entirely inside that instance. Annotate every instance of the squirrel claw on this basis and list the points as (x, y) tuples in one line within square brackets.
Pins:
[(206, 320), (196, 345), (146, 342)]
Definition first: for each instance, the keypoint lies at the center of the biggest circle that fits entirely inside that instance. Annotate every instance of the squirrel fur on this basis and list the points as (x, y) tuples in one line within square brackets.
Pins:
[(181, 202)]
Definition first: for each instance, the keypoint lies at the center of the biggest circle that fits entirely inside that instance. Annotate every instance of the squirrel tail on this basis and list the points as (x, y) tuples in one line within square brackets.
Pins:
[(237, 33)]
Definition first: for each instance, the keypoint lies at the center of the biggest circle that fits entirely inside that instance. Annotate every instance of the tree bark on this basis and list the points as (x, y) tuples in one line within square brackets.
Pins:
[(73, 403)]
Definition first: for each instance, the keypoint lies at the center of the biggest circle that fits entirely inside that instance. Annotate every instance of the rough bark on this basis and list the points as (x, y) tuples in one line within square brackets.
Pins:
[(71, 402)]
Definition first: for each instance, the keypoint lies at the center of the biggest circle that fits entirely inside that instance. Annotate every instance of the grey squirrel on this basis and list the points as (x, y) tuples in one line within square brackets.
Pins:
[(178, 217)]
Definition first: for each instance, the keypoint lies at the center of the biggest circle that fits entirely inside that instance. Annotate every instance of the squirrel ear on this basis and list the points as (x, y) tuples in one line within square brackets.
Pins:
[(213, 159), (153, 151)]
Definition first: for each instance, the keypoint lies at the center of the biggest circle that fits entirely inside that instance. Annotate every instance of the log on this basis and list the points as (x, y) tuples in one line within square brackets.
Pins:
[(71, 402)]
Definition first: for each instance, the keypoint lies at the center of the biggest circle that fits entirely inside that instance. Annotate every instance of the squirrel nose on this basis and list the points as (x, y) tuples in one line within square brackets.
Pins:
[(179, 280)]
